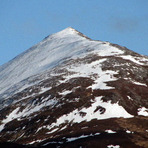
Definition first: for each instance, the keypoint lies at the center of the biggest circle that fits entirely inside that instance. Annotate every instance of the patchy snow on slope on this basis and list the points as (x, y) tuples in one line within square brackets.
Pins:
[(111, 111), (37, 107), (43, 89), (13, 115), (85, 70), (109, 50), (17, 114), (89, 70), (143, 111), (105, 76), (136, 60)]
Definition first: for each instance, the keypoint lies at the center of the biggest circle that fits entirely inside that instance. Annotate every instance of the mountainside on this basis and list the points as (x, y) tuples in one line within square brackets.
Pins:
[(71, 91)]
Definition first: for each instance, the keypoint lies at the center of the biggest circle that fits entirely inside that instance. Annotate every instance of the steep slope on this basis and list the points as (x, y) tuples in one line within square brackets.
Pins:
[(45, 55), (52, 51), (71, 91)]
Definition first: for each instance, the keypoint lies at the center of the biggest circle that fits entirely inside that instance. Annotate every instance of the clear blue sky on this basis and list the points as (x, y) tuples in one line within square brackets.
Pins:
[(24, 23)]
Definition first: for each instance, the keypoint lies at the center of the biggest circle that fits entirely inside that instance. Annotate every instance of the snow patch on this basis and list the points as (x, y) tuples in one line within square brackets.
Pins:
[(113, 146), (143, 111), (138, 83), (89, 70), (43, 89), (36, 141), (109, 50), (81, 137), (64, 93), (110, 111), (16, 114), (106, 76), (136, 60), (129, 132), (110, 131), (129, 98), (10, 117)]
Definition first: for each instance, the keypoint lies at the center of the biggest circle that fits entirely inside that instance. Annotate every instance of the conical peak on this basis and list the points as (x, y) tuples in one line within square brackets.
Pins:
[(70, 31), (67, 31)]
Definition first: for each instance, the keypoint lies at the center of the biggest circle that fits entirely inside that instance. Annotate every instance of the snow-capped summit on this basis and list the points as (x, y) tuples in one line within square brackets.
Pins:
[(67, 31), (47, 54), (71, 91)]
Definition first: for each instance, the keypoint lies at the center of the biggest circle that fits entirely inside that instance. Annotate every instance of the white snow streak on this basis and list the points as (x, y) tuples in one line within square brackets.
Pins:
[(110, 131), (64, 93), (138, 83), (129, 98), (129, 132), (136, 60), (113, 146), (81, 137)]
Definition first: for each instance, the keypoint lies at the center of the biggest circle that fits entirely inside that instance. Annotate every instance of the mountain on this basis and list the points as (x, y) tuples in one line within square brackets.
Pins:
[(71, 91)]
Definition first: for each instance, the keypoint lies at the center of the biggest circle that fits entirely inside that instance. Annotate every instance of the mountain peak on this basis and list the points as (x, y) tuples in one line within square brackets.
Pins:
[(68, 31), (70, 28), (68, 91)]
